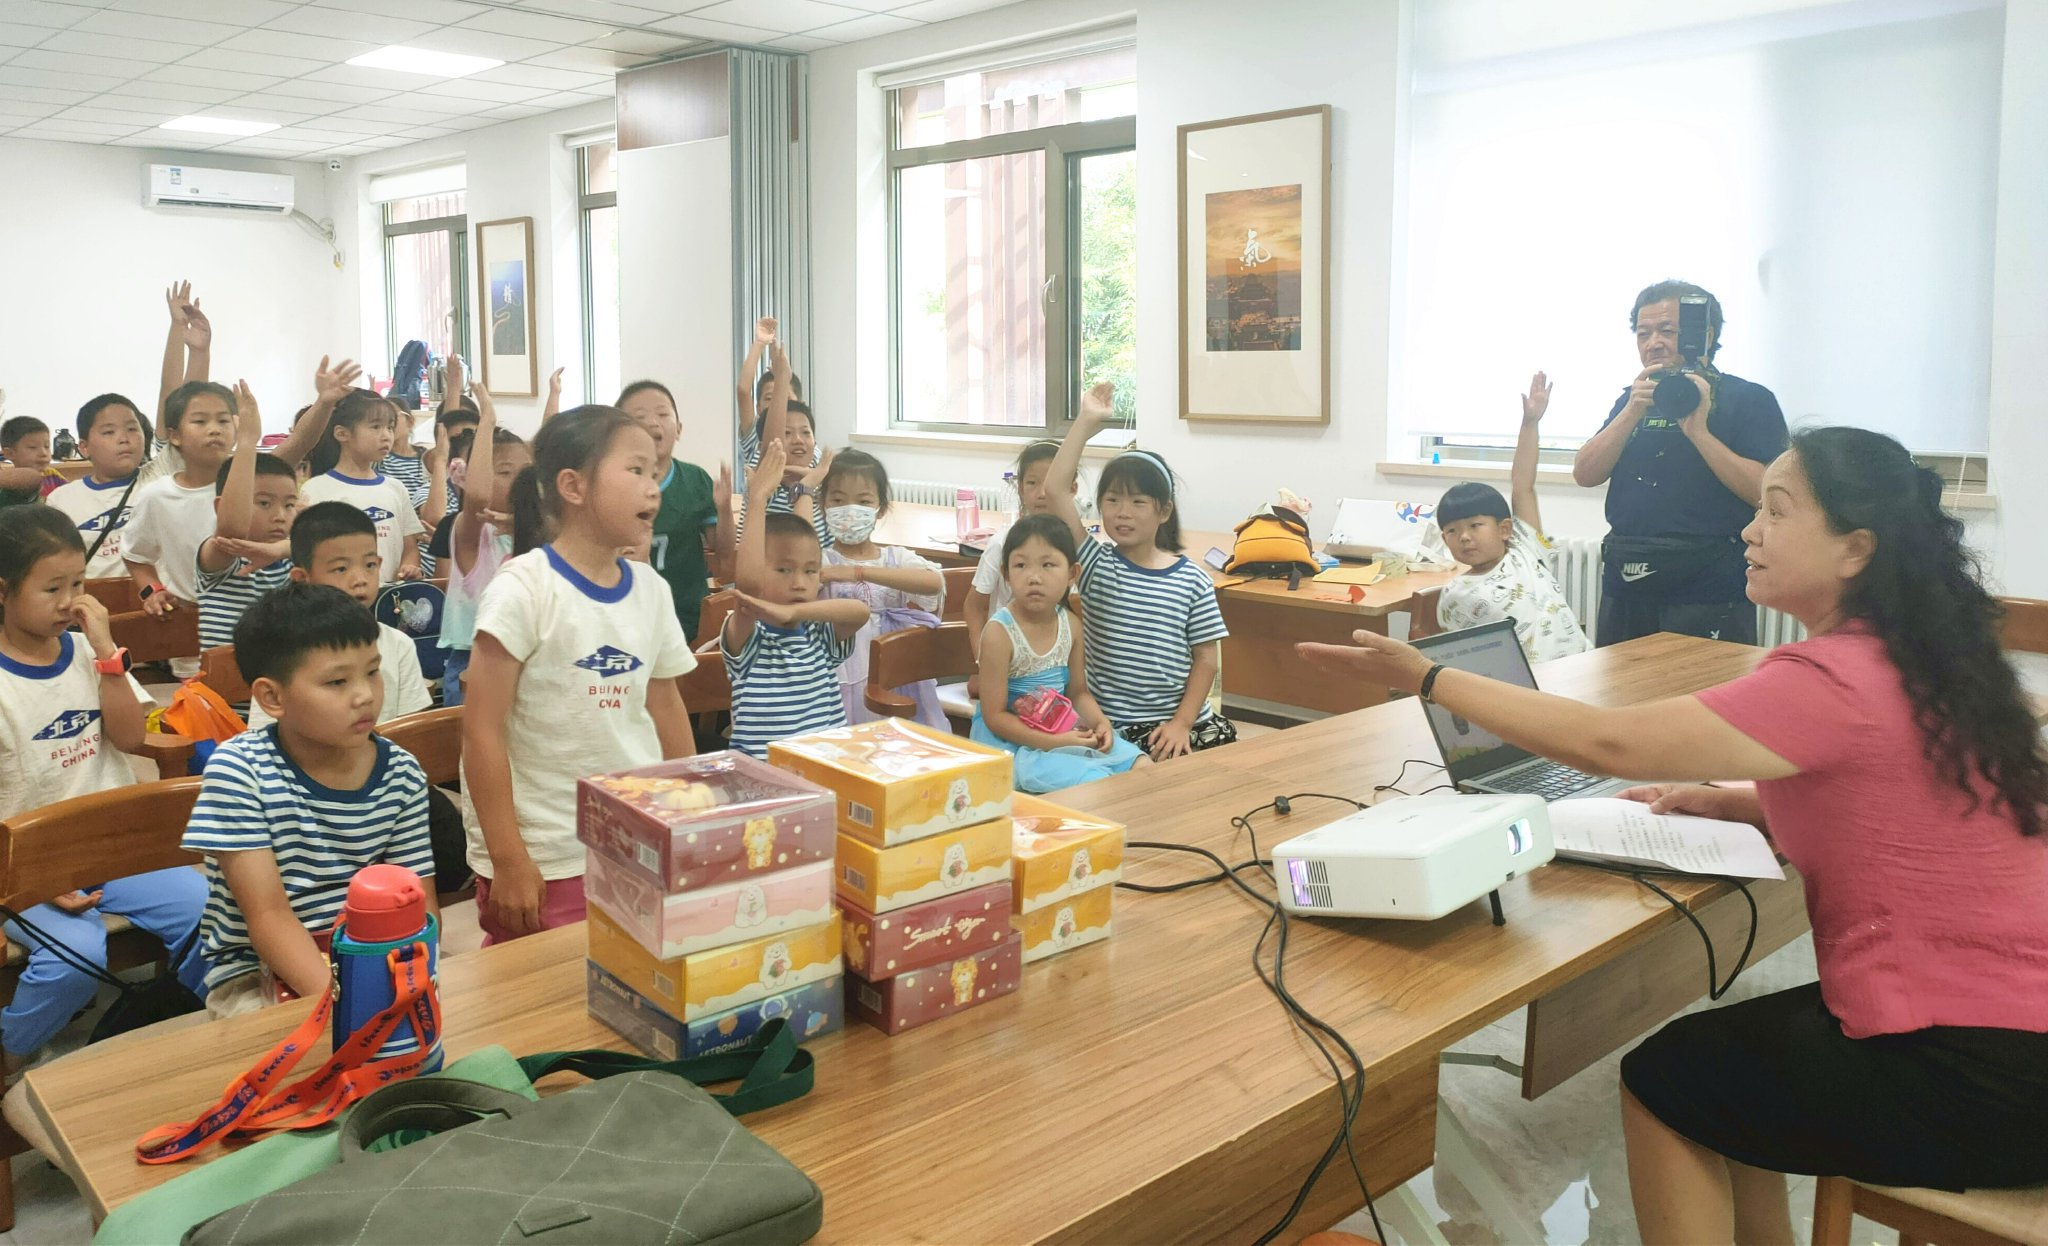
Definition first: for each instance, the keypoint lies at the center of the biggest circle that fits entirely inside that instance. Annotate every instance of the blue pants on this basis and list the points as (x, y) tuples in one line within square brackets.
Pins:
[(166, 903), (456, 662)]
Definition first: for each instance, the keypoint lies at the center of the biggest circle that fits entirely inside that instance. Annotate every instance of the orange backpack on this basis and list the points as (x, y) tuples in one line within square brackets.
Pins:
[(197, 712)]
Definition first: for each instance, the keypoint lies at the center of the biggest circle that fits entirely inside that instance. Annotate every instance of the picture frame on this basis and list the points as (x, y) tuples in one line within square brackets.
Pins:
[(505, 335), (1254, 198)]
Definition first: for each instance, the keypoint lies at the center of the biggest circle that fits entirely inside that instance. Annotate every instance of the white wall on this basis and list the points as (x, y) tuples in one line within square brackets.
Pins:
[(85, 265), (520, 168), (675, 286), (2019, 308)]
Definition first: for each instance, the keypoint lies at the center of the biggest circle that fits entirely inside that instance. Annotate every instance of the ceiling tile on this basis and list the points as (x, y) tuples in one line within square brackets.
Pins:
[(787, 17), (336, 93), (723, 32), (131, 94), (441, 105), (376, 30), (491, 92), (801, 43), (268, 145), (340, 129), (12, 36), (941, 10), (52, 128), (606, 10), (244, 112), (590, 60), (9, 121), (480, 43), (567, 99), (643, 43), (869, 27), (44, 13), (156, 26), (308, 47), (383, 142), (385, 80), (224, 79), (606, 87), (352, 149), (548, 26), (539, 76), (435, 11), (230, 12), (514, 112), (253, 62), (394, 116), (55, 80), (420, 132), (119, 116), (98, 65), (306, 134)]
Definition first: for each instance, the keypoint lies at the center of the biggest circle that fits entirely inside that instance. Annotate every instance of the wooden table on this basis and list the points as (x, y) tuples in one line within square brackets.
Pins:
[(1145, 1089), (1264, 618)]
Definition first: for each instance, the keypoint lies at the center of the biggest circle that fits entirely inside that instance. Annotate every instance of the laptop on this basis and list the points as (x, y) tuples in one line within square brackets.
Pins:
[(1478, 760)]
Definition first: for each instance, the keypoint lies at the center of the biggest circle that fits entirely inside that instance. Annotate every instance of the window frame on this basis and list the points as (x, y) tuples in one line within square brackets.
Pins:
[(457, 228), (1064, 147), (588, 201)]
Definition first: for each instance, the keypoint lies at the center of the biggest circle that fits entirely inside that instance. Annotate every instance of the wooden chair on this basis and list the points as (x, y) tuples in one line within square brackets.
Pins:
[(1422, 613), (712, 618), (2024, 629), (1972, 1218), (76, 843), (151, 639), (115, 592), (910, 656), (959, 581), (219, 671), (434, 738)]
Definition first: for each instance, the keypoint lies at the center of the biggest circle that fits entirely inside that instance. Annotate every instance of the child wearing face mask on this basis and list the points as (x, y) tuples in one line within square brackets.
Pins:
[(899, 588)]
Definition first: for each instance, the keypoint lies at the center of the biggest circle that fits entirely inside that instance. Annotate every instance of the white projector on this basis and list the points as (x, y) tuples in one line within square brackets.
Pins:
[(1416, 857)]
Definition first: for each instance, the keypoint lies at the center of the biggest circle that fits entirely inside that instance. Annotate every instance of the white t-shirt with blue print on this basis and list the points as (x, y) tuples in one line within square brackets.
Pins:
[(589, 654), (384, 500), (52, 738)]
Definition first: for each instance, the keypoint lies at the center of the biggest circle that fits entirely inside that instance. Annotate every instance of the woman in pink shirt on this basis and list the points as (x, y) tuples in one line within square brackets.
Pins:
[(1898, 766)]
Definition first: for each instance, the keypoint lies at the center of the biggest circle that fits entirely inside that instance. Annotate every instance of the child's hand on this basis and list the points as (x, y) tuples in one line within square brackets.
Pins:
[(764, 330), (255, 553), (248, 416), (436, 459), (331, 384), (816, 476), (91, 618), (838, 573), (765, 611), (77, 902), (1537, 400), (453, 383), (198, 329), (517, 895), (409, 570), (1170, 739), (1079, 737), (1099, 736), (766, 477), (497, 519), (485, 408), (778, 363), (721, 490), (159, 604), (555, 386), (177, 296), (1098, 405)]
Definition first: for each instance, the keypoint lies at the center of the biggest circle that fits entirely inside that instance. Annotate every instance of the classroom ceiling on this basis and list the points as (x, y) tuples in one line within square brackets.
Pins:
[(113, 71)]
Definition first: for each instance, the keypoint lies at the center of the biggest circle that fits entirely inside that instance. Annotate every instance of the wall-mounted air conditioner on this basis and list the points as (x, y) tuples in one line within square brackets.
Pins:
[(186, 187)]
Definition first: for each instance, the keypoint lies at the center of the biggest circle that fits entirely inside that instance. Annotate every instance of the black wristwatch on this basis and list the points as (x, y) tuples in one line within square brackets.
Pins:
[(802, 490), (1429, 683)]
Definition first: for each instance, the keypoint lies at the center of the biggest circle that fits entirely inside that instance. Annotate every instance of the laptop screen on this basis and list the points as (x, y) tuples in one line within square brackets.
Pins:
[(1491, 649)]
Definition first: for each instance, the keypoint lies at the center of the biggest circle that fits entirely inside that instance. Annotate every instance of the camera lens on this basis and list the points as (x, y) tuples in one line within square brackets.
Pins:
[(1676, 396)]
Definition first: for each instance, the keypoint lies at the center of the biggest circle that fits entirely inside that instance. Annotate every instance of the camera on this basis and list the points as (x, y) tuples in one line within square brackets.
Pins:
[(1677, 397)]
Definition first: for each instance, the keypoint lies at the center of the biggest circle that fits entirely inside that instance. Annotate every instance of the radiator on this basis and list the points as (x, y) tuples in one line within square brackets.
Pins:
[(1576, 562), (992, 498)]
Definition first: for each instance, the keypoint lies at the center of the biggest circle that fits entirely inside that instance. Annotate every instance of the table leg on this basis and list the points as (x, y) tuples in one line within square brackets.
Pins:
[(1259, 659)]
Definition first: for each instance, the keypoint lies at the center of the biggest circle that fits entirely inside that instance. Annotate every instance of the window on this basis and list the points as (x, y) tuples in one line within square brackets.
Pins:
[(426, 266), (1014, 242), (598, 201), (1777, 160)]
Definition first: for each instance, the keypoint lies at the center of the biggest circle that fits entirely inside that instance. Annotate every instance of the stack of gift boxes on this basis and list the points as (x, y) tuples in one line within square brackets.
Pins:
[(709, 882), (924, 868), (1064, 878)]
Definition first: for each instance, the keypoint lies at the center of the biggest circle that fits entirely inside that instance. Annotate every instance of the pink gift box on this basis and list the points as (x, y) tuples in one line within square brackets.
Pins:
[(669, 926), (705, 821)]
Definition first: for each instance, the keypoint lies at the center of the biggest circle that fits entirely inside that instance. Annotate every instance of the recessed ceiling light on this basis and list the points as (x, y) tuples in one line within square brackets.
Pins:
[(218, 125), (421, 61)]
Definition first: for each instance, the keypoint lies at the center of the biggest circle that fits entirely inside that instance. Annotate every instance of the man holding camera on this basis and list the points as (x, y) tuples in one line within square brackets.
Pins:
[(1682, 455)]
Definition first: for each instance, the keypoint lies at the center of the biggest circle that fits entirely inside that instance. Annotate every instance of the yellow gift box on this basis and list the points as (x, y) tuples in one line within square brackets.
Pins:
[(882, 880), (1058, 853), (1062, 927), (720, 979), (897, 781)]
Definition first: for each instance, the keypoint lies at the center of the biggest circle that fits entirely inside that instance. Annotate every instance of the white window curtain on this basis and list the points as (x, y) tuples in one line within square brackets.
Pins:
[(440, 179), (1835, 190)]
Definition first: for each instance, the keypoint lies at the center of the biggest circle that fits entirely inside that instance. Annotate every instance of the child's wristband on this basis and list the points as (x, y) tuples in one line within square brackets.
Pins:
[(1429, 683)]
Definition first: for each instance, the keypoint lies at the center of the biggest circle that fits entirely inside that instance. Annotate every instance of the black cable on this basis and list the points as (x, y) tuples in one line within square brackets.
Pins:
[(1641, 875)]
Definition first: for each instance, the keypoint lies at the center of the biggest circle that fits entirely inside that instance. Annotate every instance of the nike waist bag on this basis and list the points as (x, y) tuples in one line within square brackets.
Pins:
[(1672, 568)]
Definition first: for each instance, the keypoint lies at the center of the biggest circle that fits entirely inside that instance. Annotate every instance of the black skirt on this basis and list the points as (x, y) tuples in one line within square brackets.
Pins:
[(1773, 1083)]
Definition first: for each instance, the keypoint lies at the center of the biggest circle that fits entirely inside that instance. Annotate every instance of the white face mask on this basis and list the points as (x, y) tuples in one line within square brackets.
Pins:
[(851, 525)]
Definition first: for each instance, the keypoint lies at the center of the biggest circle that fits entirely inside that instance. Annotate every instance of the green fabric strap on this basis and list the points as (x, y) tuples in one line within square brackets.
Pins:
[(771, 1071)]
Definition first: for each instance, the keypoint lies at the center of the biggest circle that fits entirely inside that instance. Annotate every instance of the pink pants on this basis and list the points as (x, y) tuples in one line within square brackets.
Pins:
[(561, 904)]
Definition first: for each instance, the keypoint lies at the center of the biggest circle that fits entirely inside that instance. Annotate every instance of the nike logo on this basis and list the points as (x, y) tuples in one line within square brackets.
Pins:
[(1633, 571)]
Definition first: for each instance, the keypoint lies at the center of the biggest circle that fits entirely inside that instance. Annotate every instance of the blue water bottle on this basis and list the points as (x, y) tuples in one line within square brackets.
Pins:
[(386, 909)]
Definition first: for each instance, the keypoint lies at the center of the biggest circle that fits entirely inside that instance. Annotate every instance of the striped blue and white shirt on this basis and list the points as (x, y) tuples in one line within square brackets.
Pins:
[(256, 798), (783, 502), (1141, 627), (225, 595), (412, 473), (785, 683)]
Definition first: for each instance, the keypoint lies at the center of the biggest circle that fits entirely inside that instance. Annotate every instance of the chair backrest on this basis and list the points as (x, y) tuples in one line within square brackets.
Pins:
[(148, 638), (434, 738), (219, 671), (712, 618), (86, 840), (911, 656), (959, 581), (706, 689), (1422, 613), (2024, 628), (115, 592)]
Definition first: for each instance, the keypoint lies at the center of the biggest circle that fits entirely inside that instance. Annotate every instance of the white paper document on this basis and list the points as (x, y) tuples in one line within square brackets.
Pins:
[(1627, 833)]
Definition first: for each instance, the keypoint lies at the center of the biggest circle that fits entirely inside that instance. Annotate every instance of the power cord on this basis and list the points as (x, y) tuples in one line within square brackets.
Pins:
[(1642, 877)]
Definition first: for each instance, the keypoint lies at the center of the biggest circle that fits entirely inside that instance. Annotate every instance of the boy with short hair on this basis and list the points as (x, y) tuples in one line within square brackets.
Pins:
[(249, 553), (26, 475), (110, 435), (286, 816), (173, 515), (1507, 575), (782, 645)]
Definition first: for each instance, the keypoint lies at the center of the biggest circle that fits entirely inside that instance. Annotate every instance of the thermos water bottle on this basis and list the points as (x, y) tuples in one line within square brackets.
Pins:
[(386, 909)]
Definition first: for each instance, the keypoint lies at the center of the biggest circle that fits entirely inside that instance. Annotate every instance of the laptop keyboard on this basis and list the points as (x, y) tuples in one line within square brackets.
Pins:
[(1551, 782)]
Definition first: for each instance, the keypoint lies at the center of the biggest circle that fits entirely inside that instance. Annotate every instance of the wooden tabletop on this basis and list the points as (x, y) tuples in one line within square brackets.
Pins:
[(1108, 1097), (928, 530)]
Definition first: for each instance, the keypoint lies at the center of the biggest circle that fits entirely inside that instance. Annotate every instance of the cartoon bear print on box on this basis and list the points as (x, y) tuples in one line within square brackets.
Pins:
[(957, 799), (1063, 926), (953, 868), (964, 972), (775, 965), (752, 908), (760, 838), (1079, 873)]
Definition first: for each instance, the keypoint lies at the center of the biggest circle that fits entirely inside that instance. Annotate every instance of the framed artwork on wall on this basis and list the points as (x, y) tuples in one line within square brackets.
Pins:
[(1255, 268), (504, 276)]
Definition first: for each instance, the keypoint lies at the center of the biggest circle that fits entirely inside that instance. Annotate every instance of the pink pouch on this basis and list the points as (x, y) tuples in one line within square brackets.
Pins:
[(1046, 710)]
